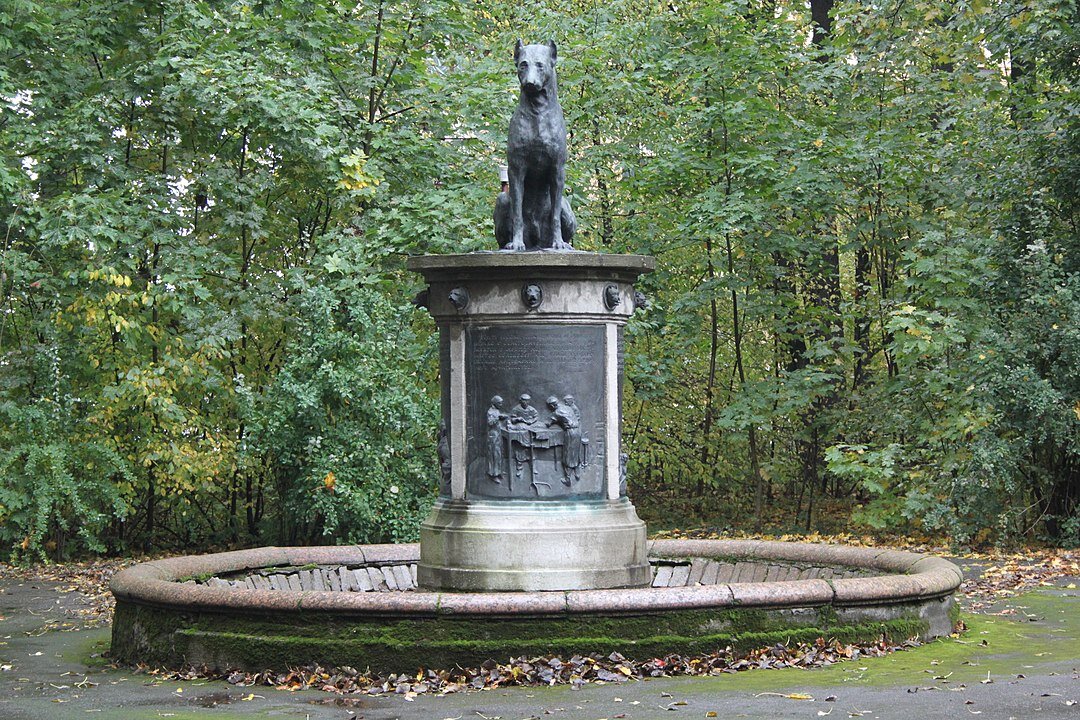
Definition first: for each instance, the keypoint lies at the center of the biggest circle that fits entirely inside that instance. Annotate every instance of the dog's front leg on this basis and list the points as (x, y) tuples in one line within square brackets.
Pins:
[(558, 183), (516, 191)]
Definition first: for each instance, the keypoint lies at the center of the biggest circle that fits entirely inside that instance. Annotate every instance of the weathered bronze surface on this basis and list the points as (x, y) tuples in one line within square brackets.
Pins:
[(532, 213), (535, 449), (531, 363)]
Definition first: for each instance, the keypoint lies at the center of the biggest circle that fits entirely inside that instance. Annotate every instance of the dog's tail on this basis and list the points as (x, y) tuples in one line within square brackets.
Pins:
[(502, 219), (567, 221)]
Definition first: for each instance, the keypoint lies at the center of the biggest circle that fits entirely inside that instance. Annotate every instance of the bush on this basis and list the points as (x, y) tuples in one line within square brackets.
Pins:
[(347, 428), (54, 485)]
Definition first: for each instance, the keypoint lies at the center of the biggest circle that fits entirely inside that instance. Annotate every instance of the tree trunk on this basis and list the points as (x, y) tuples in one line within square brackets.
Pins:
[(821, 16)]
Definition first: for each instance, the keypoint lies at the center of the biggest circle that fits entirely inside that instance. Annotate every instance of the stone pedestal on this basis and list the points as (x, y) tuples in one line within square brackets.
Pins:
[(533, 495)]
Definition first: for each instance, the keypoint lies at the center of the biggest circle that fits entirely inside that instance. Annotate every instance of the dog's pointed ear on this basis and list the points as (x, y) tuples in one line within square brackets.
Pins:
[(517, 51), (554, 50)]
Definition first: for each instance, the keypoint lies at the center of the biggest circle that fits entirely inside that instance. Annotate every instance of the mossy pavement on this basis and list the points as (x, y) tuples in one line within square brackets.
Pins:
[(1021, 664)]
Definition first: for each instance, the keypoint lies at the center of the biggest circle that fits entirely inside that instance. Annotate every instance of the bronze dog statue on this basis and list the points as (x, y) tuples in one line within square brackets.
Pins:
[(533, 214)]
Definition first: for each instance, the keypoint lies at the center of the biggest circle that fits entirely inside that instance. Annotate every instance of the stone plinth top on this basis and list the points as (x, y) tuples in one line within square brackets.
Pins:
[(531, 263)]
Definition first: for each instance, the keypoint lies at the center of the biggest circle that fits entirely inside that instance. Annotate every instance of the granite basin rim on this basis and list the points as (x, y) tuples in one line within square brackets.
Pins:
[(156, 583), (164, 617)]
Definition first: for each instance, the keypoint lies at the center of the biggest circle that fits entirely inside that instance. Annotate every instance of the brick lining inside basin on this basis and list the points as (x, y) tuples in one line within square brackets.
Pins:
[(274, 607), (398, 576)]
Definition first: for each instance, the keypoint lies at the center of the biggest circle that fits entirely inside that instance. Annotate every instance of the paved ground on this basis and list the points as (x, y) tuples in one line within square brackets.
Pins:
[(1023, 662)]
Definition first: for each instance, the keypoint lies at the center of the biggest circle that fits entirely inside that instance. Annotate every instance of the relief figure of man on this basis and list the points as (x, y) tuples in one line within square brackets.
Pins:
[(522, 418), (444, 453), (567, 416), (495, 422)]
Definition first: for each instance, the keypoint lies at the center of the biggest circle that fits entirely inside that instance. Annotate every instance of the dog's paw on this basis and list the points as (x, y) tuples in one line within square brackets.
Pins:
[(514, 245), (561, 244)]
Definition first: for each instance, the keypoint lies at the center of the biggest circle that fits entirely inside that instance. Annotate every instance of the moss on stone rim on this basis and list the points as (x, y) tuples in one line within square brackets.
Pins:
[(160, 622), (225, 641)]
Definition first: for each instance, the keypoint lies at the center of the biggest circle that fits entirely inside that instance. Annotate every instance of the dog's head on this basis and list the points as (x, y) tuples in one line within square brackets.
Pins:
[(532, 295), (535, 66)]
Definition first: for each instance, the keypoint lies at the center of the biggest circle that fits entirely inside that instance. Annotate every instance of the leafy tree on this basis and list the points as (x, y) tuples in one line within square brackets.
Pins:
[(864, 217)]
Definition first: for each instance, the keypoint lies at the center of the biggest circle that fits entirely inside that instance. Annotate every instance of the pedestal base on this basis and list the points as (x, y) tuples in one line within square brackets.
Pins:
[(522, 545)]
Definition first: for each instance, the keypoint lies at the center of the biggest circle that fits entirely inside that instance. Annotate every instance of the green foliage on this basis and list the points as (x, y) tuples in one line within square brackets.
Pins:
[(982, 327), (169, 175), (866, 242), (894, 498), (58, 492), (347, 425)]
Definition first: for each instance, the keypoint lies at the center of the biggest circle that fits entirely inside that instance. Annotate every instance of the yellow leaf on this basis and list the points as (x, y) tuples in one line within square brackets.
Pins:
[(329, 481), (819, 142)]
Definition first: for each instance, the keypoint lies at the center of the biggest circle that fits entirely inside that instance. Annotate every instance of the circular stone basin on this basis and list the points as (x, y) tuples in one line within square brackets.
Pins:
[(275, 607)]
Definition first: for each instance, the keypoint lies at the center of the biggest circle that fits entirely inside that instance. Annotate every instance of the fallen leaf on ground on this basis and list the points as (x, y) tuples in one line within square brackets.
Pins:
[(789, 696)]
